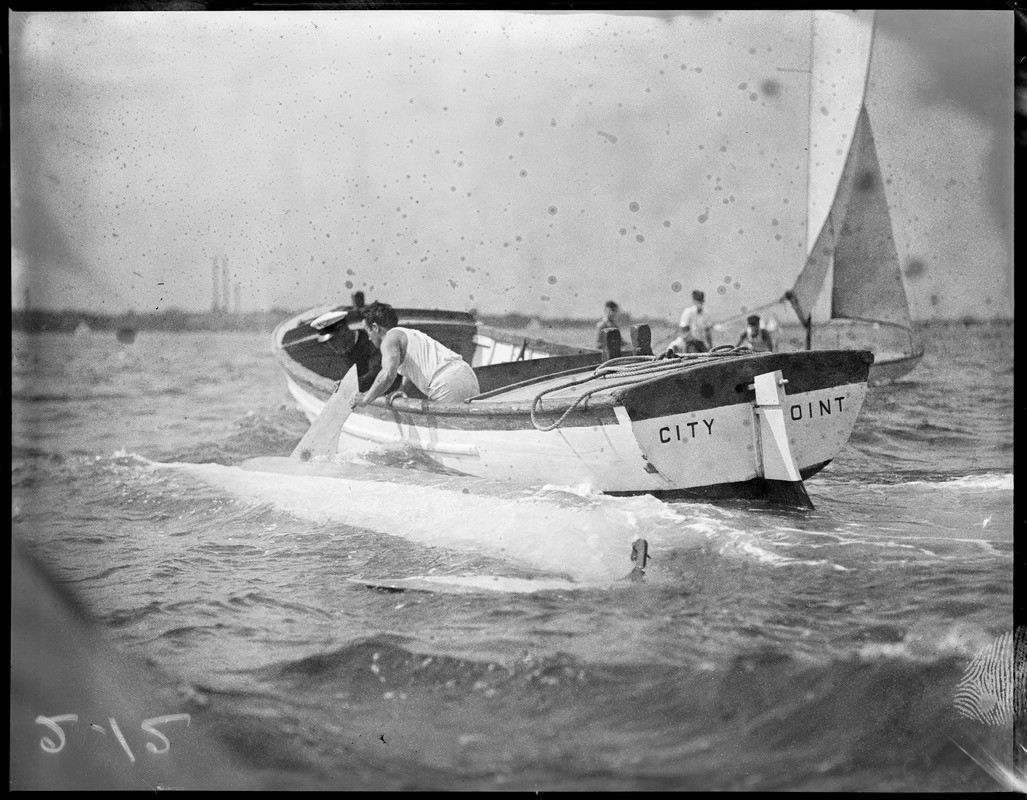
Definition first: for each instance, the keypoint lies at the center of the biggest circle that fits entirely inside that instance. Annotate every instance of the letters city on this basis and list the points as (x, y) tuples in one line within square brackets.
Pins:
[(797, 412)]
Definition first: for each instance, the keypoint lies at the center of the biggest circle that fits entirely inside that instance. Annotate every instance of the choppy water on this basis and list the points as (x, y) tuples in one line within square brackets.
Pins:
[(764, 650)]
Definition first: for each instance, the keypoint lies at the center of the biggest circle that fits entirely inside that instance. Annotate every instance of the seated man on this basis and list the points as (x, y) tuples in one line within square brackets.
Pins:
[(432, 368), (609, 320), (754, 337)]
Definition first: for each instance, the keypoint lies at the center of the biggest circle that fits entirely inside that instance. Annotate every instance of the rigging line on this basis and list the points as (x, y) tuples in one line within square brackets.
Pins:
[(744, 314), (632, 372), (870, 57)]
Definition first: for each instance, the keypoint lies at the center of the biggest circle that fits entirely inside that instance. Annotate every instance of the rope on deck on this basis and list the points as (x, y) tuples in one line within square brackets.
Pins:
[(631, 368)]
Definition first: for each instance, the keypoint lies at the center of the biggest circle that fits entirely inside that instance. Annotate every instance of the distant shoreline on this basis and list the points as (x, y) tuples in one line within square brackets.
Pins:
[(41, 321)]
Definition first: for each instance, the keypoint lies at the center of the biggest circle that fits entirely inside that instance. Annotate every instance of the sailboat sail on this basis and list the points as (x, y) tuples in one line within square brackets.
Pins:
[(856, 241), (867, 279), (847, 206), (840, 47)]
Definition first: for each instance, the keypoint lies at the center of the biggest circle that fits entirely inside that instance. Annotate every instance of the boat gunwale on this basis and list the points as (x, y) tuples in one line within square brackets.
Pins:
[(420, 407), (597, 408)]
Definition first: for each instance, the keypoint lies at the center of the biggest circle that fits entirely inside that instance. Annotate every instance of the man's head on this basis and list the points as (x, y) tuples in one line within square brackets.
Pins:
[(358, 299), (378, 319), (754, 321), (699, 297), (612, 307)]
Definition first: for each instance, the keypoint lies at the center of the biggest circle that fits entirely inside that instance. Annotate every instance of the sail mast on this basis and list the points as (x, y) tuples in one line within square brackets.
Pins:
[(807, 323)]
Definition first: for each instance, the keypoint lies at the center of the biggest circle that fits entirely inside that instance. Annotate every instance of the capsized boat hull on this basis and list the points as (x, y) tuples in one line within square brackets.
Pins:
[(640, 426)]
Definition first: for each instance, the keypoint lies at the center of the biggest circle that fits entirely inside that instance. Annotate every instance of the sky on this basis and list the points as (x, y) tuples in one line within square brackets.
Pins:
[(493, 160)]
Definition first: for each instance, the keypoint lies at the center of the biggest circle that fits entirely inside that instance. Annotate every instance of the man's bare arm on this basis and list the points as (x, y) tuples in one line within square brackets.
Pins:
[(393, 351)]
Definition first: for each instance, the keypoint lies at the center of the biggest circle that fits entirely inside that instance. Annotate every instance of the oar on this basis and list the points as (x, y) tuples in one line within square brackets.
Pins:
[(322, 438)]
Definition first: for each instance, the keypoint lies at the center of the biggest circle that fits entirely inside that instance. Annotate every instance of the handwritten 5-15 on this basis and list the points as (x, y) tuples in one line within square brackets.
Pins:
[(148, 725)]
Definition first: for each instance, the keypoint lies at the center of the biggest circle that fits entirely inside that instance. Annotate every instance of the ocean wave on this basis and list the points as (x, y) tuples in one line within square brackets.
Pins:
[(834, 717), (66, 397), (123, 457), (930, 641), (1002, 482), (872, 479), (43, 397), (751, 546), (390, 667)]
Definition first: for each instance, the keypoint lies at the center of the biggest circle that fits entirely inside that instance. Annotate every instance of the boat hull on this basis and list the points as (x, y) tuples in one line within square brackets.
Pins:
[(687, 430), (700, 428), (890, 368)]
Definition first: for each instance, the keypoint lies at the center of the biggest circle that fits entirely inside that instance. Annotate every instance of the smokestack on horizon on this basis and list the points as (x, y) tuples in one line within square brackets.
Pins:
[(215, 305), (226, 303)]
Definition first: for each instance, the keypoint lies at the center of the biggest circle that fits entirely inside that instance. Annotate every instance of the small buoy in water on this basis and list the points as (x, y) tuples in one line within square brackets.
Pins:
[(126, 335)]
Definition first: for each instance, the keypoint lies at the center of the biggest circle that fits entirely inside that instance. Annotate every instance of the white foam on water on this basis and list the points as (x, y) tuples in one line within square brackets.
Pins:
[(586, 537), (977, 483), (573, 531), (761, 547), (470, 584)]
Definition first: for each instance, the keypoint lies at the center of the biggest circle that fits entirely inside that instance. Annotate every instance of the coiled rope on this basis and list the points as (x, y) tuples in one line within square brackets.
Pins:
[(631, 368)]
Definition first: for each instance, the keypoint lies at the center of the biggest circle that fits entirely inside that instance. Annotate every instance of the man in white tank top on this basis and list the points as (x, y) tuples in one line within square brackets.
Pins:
[(434, 369)]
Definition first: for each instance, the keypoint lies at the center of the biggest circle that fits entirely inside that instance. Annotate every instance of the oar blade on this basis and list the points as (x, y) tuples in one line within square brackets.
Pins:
[(322, 438)]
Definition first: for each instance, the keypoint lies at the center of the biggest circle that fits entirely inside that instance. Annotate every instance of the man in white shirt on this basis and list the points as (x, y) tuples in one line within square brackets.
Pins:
[(695, 334), (436, 371)]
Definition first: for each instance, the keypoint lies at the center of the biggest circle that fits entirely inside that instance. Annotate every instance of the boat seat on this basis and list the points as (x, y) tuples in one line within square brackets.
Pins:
[(494, 376)]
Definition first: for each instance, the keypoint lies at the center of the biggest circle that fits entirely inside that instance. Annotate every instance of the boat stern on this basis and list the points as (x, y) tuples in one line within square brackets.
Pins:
[(707, 428)]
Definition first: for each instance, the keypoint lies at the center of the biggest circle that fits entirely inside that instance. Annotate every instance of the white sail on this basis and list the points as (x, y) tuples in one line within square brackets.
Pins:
[(850, 240), (856, 243), (867, 279), (840, 47)]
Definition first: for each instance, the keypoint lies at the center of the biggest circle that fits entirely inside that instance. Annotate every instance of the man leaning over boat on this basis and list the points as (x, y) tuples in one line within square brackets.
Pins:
[(435, 370)]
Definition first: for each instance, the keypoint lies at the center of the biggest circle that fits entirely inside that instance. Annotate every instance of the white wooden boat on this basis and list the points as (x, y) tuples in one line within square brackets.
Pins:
[(710, 425)]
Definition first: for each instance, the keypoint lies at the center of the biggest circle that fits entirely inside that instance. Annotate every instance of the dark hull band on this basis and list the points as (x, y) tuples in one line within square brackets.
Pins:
[(776, 493), (726, 382)]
